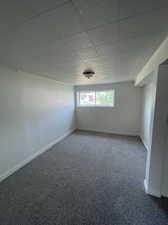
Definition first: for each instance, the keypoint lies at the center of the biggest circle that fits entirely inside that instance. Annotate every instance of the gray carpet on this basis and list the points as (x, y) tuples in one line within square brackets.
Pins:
[(87, 179)]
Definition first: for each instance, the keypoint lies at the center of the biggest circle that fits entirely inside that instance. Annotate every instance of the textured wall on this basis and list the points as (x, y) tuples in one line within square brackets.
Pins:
[(34, 112), (123, 118)]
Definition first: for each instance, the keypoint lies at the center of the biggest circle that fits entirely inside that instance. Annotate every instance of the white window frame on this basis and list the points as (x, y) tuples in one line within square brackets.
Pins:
[(95, 105)]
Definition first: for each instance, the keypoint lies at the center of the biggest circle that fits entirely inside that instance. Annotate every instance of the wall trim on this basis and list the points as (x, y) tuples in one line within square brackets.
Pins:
[(35, 155), (165, 195), (108, 132), (151, 192), (146, 146)]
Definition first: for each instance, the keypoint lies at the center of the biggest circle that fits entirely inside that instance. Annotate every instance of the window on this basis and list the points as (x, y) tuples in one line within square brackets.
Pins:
[(96, 98), (105, 98), (87, 98)]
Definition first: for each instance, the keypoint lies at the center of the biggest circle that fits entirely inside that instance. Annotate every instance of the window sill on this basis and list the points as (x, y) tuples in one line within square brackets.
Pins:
[(95, 106)]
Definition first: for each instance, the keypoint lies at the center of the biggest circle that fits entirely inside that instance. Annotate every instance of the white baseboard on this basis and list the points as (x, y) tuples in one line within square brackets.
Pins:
[(165, 195), (109, 132), (30, 158), (151, 192), (164, 192)]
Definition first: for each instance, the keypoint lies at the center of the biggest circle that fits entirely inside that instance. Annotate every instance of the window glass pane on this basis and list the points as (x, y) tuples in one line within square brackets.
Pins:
[(87, 98), (105, 98)]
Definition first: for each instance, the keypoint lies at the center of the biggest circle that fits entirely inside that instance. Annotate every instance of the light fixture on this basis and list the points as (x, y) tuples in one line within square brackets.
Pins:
[(88, 73)]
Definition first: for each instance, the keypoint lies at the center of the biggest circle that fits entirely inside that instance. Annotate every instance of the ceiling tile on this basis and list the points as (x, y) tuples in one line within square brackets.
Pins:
[(39, 6), (77, 43), (153, 23), (66, 47), (57, 24), (105, 34), (13, 12), (140, 44), (96, 12), (18, 11), (43, 61), (108, 51), (88, 53), (55, 45), (134, 7)]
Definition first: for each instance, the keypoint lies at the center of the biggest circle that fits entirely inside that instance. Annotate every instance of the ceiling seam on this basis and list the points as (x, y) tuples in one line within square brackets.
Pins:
[(27, 20), (83, 28), (126, 18)]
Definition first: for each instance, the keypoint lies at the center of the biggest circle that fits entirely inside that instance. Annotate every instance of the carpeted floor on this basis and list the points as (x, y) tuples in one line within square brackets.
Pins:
[(87, 179)]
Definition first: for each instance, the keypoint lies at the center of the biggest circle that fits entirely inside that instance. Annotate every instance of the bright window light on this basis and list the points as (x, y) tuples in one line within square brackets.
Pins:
[(96, 98), (87, 98)]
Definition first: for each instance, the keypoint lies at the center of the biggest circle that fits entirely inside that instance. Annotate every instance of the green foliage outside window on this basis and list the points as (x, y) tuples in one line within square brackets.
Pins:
[(97, 98)]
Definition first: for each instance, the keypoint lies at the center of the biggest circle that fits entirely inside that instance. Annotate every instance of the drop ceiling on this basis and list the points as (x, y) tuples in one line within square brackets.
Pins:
[(59, 39)]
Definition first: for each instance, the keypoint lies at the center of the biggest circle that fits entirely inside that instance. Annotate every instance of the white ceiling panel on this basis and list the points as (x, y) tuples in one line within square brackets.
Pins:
[(139, 45), (38, 6), (88, 53), (54, 25), (104, 35), (60, 39), (108, 51), (94, 13), (56, 48), (41, 62), (13, 12), (133, 7), (154, 22), (77, 42), (18, 11)]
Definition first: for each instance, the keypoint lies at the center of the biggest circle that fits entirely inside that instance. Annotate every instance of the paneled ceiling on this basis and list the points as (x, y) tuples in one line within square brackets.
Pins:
[(61, 38)]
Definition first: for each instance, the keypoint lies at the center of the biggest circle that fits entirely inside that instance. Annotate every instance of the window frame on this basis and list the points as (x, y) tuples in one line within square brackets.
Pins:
[(95, 105)]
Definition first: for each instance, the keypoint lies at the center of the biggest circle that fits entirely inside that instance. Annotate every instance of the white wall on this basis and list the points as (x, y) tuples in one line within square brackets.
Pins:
[(148, 108), (165, 169), (34, 113), (162, 131), (156, 157), (123, 118), (156, 181)]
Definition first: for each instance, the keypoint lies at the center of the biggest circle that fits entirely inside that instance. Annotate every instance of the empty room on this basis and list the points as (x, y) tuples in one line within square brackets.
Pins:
[(84, 112)]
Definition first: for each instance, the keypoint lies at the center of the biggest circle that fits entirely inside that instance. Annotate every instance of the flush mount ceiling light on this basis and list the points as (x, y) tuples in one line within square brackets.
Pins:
[(88, 73)]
